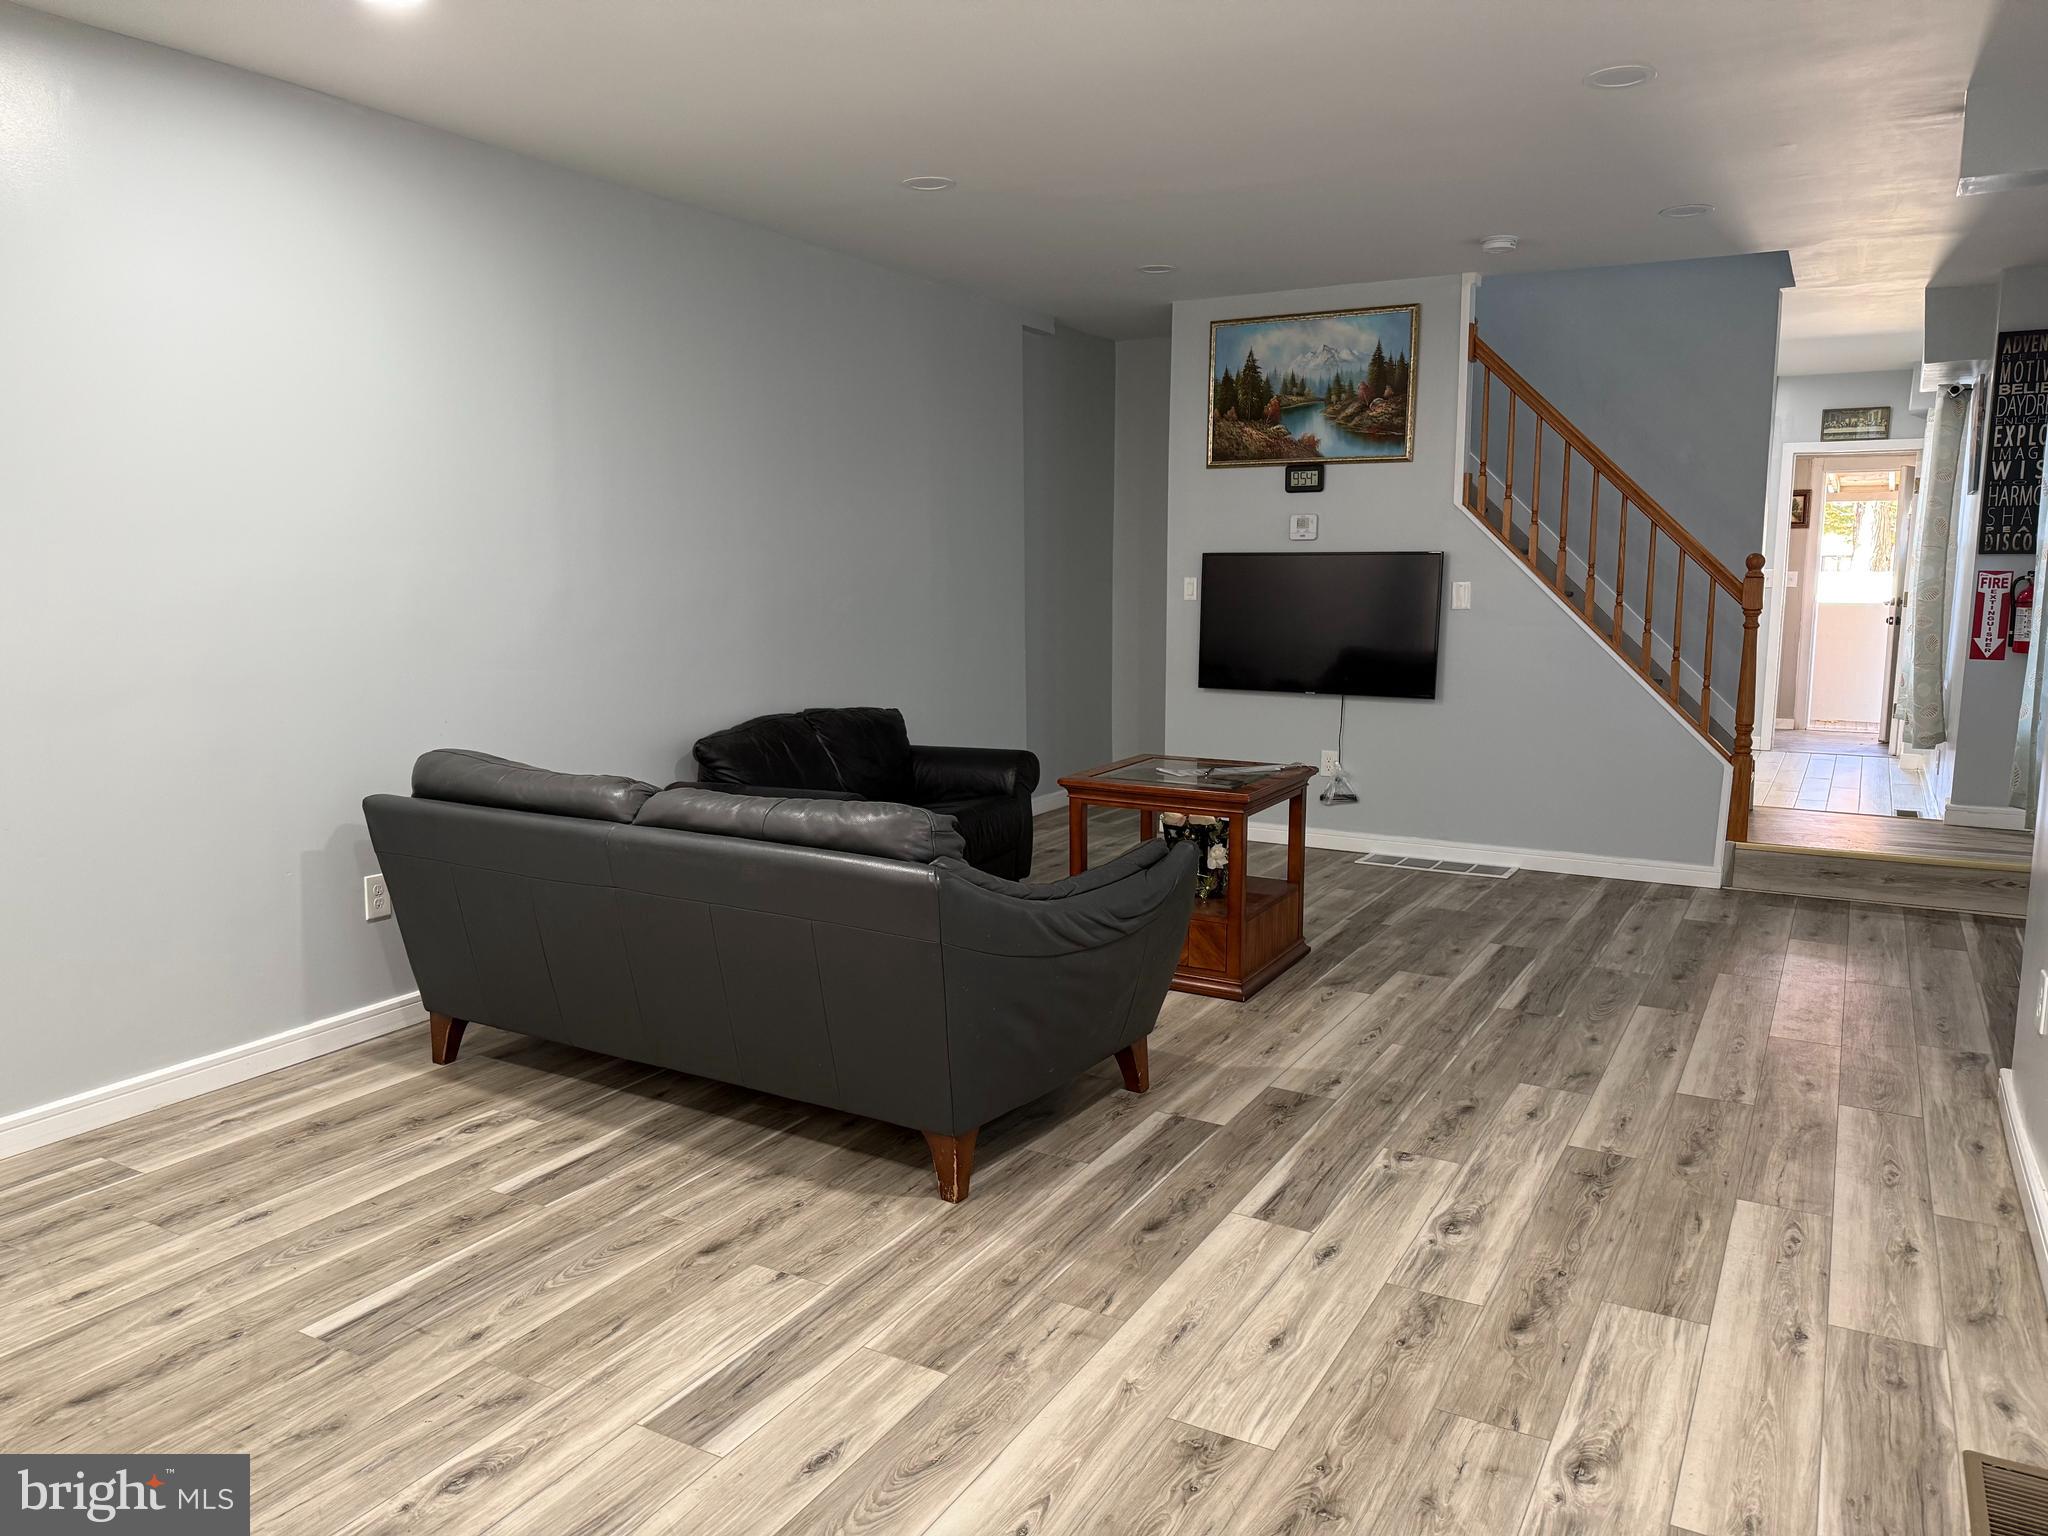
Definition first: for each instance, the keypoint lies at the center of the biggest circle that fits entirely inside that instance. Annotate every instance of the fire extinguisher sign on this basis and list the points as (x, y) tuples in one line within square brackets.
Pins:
[(1987, 632)]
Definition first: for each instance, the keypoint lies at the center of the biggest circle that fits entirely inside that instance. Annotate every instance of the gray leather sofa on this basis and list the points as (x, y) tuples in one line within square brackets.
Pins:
[(837, 952)]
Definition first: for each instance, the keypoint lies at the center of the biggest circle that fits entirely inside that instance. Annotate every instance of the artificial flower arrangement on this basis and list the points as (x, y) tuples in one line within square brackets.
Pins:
[(1211, 837)]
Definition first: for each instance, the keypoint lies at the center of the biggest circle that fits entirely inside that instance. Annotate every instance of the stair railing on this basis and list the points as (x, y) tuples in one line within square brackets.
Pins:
[(1617, 592)]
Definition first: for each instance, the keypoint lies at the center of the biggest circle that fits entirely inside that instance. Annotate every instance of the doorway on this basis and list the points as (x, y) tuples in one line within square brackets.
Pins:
[(1846, 524), (1854, 526)]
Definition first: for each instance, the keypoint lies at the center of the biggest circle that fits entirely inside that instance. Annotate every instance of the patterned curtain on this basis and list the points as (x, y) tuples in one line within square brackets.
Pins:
[(1917, 694), (2026, 755)]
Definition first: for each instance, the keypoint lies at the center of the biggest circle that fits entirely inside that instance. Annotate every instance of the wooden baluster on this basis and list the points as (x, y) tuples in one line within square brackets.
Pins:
[(1707, 662), (1649, 599), (1564, 514), (1507, 490), (1620, 572), (1677, 625), (1745, 703), (1592, 540), (1536, 498), (1485, 433)]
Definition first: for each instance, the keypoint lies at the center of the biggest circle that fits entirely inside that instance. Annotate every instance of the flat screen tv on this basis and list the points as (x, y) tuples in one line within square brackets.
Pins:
[(1363, 625)]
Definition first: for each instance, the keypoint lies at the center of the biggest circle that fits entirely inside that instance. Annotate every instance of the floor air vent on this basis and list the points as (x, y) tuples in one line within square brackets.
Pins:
[(1909, 815), (1439, 866), (2007, 1498)]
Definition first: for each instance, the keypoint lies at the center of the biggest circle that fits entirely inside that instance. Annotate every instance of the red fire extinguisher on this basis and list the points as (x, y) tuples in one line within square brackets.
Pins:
[(2023, 613)]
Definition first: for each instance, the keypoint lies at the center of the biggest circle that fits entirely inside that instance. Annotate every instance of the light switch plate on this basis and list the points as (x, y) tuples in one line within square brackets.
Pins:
[(1461, 594), (1188, 588)]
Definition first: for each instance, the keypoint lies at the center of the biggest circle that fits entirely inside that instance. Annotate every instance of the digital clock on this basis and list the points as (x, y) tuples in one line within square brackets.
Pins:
[(1304, 477)]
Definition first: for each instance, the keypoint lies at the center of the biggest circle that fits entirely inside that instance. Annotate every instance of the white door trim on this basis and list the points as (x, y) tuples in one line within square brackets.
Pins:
[(1777, 539)]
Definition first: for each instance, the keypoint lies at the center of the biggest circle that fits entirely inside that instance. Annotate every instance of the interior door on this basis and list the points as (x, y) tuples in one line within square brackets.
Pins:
[(1855, 585)]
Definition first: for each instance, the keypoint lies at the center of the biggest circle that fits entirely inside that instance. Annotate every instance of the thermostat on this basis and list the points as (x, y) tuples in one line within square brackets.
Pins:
[(1301, 525), (1304, 477)]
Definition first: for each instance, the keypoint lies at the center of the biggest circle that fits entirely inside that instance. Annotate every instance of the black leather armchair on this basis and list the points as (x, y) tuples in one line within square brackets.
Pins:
[(868, 753)]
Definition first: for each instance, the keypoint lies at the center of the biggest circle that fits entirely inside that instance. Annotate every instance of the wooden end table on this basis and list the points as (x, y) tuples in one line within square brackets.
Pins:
[(1241, 940)]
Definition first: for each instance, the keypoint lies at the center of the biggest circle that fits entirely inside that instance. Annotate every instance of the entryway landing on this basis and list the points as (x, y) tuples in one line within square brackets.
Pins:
[(1816, 771)]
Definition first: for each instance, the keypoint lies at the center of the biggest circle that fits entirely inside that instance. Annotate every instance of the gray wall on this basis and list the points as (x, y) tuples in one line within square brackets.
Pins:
[(2023, 303), (1144, 380), (2030, 1049), (1667, 367), (1539, 738), (1069, 475), (1959, 330), (1988, 706), (1803, 396), (329, 438)]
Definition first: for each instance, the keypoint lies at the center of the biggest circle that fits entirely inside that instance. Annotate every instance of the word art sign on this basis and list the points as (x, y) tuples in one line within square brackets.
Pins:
[(2012, 450), (1987, 628)]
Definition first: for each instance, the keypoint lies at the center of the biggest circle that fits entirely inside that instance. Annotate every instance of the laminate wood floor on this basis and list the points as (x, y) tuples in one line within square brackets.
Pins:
[(1531, 1205), (1889, 834)]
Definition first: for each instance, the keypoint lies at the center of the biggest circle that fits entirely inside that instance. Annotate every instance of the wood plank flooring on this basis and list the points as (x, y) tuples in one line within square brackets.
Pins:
[(1830, 830), (1542, 1205)]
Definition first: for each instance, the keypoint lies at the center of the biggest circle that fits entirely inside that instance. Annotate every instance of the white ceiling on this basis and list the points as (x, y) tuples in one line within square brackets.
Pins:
[(1254, 146)]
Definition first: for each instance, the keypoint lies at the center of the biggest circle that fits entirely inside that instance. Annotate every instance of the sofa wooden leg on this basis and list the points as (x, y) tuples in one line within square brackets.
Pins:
[(446, 1034), (1135, 1065), (953, 1159)]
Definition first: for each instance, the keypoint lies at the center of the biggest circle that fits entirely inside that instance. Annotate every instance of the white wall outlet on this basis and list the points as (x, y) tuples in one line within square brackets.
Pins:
[(2041, 1006), (1302, 525), (1330, 767), (376, 899), (1188, 589), (1461, 594)]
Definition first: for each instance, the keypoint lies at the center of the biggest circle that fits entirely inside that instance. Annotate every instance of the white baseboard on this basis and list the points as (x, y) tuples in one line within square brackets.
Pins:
[(1600, 866), (1782, 723), (2027, 1168), (1051, 800), (29, 1128), (2008, 818)]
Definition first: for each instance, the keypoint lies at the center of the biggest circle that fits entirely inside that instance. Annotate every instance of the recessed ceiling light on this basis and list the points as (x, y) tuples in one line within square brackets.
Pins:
[(1499, 245), (1685, 211), (1619, 77), (928, 183), (1157, 269)]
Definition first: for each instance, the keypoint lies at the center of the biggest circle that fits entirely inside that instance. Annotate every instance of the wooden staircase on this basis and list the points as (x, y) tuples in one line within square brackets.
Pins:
[(1600, 555)]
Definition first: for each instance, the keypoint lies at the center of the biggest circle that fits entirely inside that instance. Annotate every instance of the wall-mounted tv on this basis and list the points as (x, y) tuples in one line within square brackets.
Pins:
[(1362, 624)]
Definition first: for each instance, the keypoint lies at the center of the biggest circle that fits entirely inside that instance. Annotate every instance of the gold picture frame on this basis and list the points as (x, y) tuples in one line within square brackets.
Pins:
[(1333, 378)]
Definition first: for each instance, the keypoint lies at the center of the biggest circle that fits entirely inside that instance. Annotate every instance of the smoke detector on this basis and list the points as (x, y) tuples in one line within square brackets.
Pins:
[(1619, 77), (1499, 245)]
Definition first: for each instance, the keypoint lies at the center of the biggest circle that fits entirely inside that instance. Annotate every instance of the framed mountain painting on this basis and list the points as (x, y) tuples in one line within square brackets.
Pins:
[(1337, 387)]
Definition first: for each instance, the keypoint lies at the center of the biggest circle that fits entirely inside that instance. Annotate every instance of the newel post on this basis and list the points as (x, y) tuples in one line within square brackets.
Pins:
[(1745, 703)]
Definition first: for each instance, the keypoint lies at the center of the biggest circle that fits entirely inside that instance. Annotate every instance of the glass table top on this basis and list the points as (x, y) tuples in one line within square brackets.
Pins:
[(1191, 773)]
